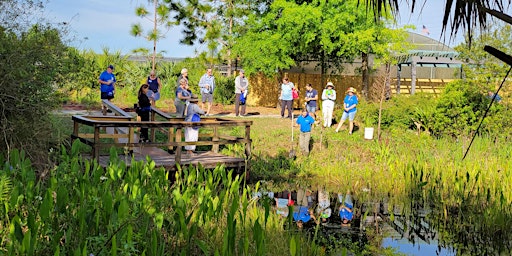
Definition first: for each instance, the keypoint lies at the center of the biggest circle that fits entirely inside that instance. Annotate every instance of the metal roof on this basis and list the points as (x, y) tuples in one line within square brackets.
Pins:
[(429, 53)]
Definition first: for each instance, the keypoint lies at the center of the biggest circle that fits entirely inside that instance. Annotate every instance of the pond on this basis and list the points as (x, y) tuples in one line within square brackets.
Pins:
[(410, 226)]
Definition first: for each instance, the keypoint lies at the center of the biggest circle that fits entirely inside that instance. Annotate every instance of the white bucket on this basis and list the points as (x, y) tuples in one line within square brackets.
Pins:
[(368, 133)]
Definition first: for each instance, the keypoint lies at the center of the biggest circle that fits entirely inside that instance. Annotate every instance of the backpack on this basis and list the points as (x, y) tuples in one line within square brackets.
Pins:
[(242, 99), (295, 93), (196, 118)]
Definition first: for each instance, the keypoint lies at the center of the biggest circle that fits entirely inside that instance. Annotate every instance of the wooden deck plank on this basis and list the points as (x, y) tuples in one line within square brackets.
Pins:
[(162, 158)]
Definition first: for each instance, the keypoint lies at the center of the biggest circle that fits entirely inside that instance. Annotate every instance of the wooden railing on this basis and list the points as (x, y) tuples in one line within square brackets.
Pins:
[(172, 127)]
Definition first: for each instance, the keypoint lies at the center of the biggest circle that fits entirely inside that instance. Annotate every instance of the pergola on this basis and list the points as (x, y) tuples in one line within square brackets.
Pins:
[(428, 53)]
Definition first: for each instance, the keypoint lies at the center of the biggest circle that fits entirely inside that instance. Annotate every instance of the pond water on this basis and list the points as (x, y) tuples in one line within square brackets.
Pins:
[(409, 226)]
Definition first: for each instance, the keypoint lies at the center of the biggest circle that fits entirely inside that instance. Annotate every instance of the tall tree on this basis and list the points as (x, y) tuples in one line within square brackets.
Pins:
[(217, 23), (326, 31), (161, 16)]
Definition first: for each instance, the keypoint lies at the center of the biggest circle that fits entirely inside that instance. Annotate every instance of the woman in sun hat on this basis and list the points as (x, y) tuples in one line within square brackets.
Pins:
[(349, 109), (328, 101)]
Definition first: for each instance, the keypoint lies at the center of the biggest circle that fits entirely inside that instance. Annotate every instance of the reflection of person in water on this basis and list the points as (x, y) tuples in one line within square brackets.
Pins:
[(323, 209), (282, 205), (302, 216), (346, 207)]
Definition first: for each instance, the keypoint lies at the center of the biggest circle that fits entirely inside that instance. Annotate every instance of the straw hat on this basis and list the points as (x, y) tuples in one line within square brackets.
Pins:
[(329, 84), (351, 89)]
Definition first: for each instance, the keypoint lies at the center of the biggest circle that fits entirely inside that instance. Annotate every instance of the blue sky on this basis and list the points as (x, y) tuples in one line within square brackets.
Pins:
[(95, 24)]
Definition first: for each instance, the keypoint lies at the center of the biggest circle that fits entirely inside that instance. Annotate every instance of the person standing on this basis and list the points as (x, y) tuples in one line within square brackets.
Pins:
[(241, 90), (192, 133), (183, 75), (207, 85), (286, 97), (305, 122), (349, 109), (143, 110), (328, 102), (311, 100), (155, 86), (107, 82), (182, 96)]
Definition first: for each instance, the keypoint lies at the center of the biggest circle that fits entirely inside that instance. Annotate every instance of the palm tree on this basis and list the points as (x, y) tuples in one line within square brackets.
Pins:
[(462, 14)]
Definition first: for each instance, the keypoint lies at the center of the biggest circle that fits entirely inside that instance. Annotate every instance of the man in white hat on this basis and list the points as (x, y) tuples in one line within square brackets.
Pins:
[(328, 102)]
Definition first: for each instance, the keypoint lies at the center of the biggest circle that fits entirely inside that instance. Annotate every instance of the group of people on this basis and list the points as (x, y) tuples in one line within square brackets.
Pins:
[(306, 209), (185, 101), (308, 117)]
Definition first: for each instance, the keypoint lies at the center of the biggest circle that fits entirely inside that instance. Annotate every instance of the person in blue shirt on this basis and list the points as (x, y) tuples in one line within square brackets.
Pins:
[(107, 81), (349, 109), (305, 121), (182, 96), (311, 100), (155, 86), (490, 95)]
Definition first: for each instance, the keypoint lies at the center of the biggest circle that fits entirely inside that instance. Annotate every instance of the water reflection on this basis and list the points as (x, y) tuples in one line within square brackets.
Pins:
[(415, 226)]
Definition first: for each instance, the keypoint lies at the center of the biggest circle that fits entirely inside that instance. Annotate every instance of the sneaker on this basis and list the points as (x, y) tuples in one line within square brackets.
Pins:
[(109, 111)]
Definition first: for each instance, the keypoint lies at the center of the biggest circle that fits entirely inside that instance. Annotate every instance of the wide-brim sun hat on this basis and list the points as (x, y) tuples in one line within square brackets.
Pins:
[(194, 98), (329, 84), (351, 89)]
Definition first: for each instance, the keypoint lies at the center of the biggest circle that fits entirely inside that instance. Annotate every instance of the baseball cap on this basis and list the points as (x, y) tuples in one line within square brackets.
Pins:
[(111, 67)]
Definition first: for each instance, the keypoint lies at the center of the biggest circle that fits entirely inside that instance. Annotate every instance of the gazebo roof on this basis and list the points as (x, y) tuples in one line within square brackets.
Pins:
[(429, 53)]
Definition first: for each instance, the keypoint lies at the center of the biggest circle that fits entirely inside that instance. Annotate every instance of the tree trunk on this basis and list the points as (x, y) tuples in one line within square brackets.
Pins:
[(155, 20), (364, 69), (228, 52)]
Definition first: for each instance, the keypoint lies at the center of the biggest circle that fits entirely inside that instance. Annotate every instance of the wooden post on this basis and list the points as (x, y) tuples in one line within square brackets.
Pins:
[(75, 131), (178, 147), (95, 147), (215, 147), (248, 143), (170, 138), (153, 131), (131, 134)]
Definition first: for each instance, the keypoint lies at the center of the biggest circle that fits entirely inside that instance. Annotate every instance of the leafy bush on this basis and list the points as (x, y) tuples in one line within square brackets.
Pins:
[(459, 109), (29, 63)]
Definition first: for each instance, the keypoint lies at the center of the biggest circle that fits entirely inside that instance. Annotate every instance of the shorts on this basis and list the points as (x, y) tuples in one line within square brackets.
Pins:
[(107, 95), (350, 115), (207, 97), (155, 95), (311, 109)]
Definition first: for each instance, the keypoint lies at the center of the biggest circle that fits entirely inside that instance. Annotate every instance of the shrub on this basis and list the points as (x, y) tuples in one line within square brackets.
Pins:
[(29, 63), (459, 109)]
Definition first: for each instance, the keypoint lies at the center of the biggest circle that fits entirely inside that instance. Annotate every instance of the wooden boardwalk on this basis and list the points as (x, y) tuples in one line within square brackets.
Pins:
[(162, 158), (99, 131)]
